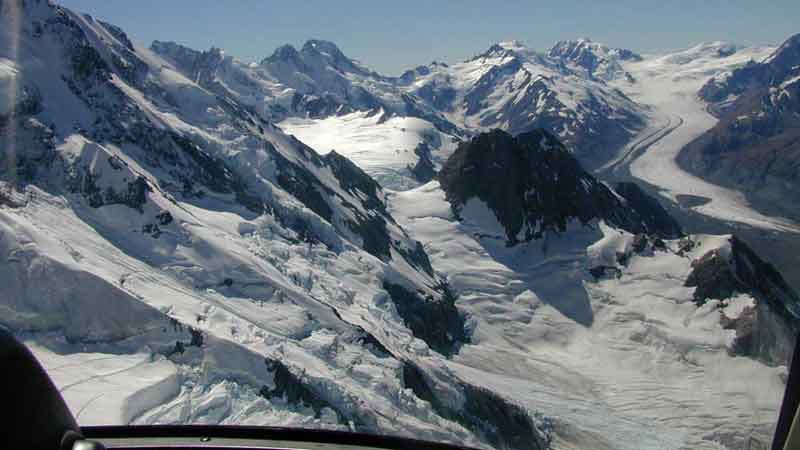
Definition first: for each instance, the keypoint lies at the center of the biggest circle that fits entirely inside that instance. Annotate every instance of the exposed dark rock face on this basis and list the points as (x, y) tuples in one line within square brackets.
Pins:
[(416, 107), (196, 337), (755, 146), (319, 74), (655, 219), (534, 185), (302, 184), (713, 278), (207, 170), (441, 98), (600, 272), (294, 390), (133, 194), (353, 180), (164, 218), (639, 244), (435, 321), (372, 228), (370, 342), (191, 168), (502, 423), (418, 258), (513, 95), (477, 98), (423, 170), (118, 33), (766, 332), (10, 198), (745, 342)]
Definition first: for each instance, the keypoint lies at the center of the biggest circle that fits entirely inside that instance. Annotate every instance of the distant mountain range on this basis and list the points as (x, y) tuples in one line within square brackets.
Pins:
[(508, 87)]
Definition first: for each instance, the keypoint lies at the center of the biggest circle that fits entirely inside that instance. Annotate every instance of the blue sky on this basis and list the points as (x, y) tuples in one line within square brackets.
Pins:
[(390, 36)]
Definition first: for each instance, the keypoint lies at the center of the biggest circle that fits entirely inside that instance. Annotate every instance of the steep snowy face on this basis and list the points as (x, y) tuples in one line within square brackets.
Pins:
[(399, 152), (753, 146), (534, 186), (516, 89), (595, 58), (224, 271)]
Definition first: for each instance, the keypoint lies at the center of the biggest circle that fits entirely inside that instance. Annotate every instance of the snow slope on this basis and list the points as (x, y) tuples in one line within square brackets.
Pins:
[(619, 363), (383, 147), (669, 85)]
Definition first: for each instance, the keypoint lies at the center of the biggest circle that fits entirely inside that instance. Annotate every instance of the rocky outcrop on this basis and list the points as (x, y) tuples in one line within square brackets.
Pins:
[(712, 277), (766, 331), (424, 170), (294, 390), (534, 185), (501, 422), (435, 321), (656, 221)]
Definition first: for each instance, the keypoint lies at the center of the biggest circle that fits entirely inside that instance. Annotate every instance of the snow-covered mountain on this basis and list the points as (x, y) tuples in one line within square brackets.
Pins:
[(330, 101), (187, 261), (508, 87), (543, 188), (172, 255), (754, 146), (595, 58), (516, 89), (317, 81)]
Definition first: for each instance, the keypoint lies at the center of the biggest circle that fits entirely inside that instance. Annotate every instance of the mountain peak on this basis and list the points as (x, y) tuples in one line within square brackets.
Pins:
[(534, 185), (318, 51), (285, 52), (180, 54), (321, 46), (581, 48), (501, 50), (514, 45), (788, 53)]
